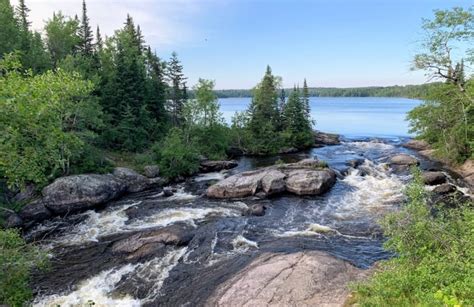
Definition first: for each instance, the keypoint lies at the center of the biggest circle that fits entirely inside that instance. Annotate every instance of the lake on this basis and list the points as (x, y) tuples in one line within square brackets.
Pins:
[(349, 116)]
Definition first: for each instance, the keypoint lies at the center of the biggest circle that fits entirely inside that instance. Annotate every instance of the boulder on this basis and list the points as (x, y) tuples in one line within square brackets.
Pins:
[(151, 171), (216, 166), (133, 180), (310, 182), (306, 177), (417, 145), (81, 192), (273, 182), (13, 220), (308, 278), (403, 159), (25, 195), (354, 163), (323, 139), (35, 211), (433, 178), (445, 189)]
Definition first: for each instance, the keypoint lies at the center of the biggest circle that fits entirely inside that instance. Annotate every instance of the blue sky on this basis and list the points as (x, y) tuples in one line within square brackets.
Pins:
[(330, 43)]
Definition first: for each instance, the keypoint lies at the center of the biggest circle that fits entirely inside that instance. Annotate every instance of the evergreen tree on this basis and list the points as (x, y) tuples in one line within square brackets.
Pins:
[(176, 93), (99, 42), (85, 33), (298, 129), (282, 100), (305, 98), (22, 12), (9, 31)]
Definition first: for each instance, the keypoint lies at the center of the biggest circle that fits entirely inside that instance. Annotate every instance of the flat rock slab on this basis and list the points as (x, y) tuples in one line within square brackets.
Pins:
[(308, 278)]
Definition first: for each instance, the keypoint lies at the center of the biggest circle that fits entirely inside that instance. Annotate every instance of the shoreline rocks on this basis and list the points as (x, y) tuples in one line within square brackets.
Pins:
[(324, 139), (306, 177), (208, 166)]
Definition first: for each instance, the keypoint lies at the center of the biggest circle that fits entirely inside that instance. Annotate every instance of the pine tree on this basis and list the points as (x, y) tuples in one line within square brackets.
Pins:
[(176, 94), (99, 43), (9, 31), (297, 123), (22, 12), (305, 98), (85, 33)]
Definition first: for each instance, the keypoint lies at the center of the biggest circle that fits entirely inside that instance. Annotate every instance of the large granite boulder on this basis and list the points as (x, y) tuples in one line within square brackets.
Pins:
[(81, 192), (417, 145), (310, 182), (307, 177), (208, 166), (308, 278), (133, 180), (324, 139)]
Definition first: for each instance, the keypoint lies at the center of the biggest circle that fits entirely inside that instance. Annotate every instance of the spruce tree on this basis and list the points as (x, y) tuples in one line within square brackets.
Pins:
[(85, 33), (99, 43), (297, 123), (9, 31), (306, 99), (176, 94), (22, 12)]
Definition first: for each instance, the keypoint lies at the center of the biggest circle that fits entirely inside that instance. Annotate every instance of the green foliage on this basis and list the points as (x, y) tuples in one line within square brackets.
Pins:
[(435, 256), (44, 122), (177, 89), (17, 260), (298, 131), (176, 156), (61, 36), (9, 30)]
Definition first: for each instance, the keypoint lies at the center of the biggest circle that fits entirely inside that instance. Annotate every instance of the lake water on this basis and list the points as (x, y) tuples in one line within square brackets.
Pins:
[(349, 116)]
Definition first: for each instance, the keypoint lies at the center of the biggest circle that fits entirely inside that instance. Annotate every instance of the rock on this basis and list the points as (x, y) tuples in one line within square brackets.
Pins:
[(139, 244), (216, 166), (354, 163), (134, 181), (26, 195), (13, 221), (433, 178), (403, 159), (273, 182), (256, 210), (168, 192), (306, 177), (445, 189), (35, 211), (239, 185), (288, 150), (417, 145), (151, 171), (81, 192), (323, 139), (310, 182), (308, 278)]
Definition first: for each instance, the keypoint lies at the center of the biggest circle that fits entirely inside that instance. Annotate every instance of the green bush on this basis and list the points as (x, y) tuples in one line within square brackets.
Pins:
[(17, 260), (176, 156), (435, 256)]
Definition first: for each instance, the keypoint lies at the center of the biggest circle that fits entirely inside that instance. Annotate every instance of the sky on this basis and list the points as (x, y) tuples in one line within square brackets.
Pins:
[(331, 43)]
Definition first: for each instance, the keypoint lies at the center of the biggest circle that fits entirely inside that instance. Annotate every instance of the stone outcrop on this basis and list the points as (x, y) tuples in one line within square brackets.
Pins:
[(133, 180), (151, 171), (308, 278), (208, 166), (81, 192), (306, 177), (324, 139)]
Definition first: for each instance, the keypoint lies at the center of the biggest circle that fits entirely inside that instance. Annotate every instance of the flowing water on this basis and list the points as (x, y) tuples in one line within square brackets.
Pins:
[(343, 222)]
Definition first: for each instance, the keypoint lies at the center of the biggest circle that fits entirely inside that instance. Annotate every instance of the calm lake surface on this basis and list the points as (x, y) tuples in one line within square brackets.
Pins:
[(349, 116)]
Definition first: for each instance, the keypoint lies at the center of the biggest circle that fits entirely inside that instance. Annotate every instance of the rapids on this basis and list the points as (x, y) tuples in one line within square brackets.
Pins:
[(342, 222)]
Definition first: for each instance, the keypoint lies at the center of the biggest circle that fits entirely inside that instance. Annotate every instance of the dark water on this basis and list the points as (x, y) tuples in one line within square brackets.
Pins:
[(350, 116)]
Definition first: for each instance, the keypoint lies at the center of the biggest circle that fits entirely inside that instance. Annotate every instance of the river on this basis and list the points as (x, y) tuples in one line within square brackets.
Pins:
[(343, 222)]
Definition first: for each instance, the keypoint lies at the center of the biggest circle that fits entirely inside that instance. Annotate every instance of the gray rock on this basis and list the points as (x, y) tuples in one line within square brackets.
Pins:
[(134, 181), (445, 189), (35, 211), (151, 171), (323, 139), (81, 192), (216, 166), (256, 210), (168, 192), (354, 163), (417, 145), (433, 178), (288, 150), (13, 221), (403, 159), (26, 195), (310, 182), (306, 177)]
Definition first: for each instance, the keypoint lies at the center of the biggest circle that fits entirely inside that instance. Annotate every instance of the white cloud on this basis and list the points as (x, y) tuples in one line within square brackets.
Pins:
[(164, 23)]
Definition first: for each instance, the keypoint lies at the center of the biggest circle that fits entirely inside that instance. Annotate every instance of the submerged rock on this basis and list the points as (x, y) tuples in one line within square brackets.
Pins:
[(168, 192), (308, 278), (81, 192), (323, 139), (208, 166), (433, 178), (256, 210), (306, 177)]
